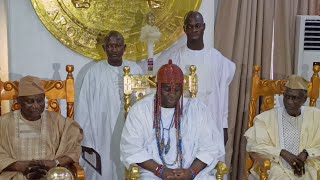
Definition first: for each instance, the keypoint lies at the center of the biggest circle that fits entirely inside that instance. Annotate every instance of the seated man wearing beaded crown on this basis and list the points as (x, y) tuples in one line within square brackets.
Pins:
[(168, 135), (34, 140), (288, 136)]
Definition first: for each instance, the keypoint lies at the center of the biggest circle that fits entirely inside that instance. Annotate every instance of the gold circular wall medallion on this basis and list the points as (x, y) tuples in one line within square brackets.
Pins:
[(81, 24)]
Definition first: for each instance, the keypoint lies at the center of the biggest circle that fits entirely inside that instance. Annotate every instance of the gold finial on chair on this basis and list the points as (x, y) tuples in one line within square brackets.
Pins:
[(256, 70), (69, 69), (222, 169), (192, 69), (69, 88), (127, 89), (316, 69), (313, 91), (193, 81), (264, 169), (126, 70), (133, 173)]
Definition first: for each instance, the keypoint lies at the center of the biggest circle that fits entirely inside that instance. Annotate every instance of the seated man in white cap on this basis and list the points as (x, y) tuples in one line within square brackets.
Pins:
[(33, 140), (288, 136)]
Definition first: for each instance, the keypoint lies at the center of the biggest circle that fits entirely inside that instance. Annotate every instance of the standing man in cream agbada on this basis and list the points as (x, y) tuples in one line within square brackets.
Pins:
[(100, 111), (288, 136), (34, 140)]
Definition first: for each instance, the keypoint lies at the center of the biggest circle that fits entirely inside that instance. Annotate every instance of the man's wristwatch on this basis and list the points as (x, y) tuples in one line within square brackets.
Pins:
[(305, 151), (57, 162)]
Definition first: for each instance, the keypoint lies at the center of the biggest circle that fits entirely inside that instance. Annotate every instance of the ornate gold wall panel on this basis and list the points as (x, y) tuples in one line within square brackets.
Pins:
[(80, 24)]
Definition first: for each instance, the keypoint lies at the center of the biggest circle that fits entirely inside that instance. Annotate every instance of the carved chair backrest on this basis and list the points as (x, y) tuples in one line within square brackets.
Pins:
[(137, 86), (54, 91), (267, 89)]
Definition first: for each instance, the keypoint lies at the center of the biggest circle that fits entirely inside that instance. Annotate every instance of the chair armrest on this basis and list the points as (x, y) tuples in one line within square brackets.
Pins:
[(133, 173), (263, 164), (77, 171), (222, 169)]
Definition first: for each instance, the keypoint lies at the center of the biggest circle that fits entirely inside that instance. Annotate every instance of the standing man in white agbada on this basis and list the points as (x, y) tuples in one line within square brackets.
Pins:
[(215, 72), (99, 109)]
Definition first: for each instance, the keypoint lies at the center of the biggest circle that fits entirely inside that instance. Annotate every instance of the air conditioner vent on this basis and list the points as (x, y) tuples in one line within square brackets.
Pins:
[(312, 35)]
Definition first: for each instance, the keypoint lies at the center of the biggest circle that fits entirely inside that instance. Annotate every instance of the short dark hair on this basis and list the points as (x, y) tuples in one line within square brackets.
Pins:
[(113, 34), (190, 14)]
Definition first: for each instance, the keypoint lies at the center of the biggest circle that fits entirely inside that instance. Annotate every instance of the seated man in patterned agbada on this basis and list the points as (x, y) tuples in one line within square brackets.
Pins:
[(33, 140), (171, 137), (288, 136)]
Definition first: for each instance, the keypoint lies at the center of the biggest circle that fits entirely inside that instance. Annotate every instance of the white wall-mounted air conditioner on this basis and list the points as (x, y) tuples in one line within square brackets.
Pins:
[(307, 47)]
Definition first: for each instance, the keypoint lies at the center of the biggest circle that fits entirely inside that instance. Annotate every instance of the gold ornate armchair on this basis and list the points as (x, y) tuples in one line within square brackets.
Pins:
[(54, 90), (267, 89), (138, 85)]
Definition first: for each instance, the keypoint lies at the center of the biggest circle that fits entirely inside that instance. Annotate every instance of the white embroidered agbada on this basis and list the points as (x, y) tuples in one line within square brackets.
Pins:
[(215, 73), (100, 113), (138, 140), (274, 130)]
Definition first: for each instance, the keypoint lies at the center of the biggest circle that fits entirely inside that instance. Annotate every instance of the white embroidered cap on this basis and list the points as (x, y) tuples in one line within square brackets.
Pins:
[(297, 82)]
